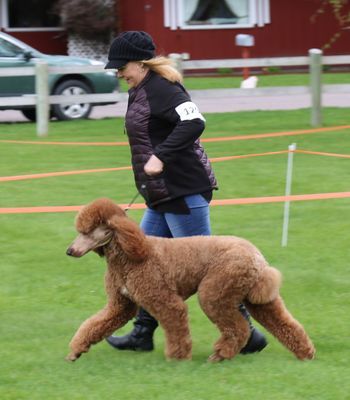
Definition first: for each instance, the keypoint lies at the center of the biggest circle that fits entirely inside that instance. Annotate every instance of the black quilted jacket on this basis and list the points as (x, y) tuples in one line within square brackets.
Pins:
[(162, 120)]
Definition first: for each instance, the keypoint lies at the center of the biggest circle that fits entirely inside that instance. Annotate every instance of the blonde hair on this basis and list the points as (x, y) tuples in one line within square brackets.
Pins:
[(164, 67)]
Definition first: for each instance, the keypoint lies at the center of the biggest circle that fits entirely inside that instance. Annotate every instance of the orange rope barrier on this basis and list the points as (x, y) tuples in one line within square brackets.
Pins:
[(279, 199), (227, 158), (274, 134), (66, 143), (253, 200), (220, 139), (50, 174), (322, 154), (214, 159), (223, 202)]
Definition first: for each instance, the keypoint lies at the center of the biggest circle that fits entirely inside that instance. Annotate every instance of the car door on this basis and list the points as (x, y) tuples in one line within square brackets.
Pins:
[(12, 56)]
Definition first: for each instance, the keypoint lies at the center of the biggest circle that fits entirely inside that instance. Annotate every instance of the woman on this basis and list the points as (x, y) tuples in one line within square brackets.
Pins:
[(171, 170)]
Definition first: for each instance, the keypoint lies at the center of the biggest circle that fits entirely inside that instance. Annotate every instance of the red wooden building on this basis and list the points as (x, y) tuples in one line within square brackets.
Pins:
[(206, 29)]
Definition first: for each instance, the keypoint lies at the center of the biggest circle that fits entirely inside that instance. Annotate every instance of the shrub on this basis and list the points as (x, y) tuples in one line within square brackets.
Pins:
[(91, 19)]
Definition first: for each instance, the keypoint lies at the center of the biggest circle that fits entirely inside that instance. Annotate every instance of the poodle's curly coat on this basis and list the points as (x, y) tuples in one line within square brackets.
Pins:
[(159, 274)]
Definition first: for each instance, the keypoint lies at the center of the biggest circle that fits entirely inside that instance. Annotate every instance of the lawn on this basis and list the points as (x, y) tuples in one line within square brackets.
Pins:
[(45, 295), (264, 80)]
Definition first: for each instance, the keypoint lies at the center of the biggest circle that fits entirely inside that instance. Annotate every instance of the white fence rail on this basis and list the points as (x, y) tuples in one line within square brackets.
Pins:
[(30, 99), (41, 100), (262, 62)]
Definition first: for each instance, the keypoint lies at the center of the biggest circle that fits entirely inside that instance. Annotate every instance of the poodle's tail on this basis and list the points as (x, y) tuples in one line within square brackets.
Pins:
[(266, 289)]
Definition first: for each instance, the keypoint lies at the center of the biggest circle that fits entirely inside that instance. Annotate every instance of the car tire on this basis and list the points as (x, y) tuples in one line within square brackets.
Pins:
[(72, 111), (29, 113)]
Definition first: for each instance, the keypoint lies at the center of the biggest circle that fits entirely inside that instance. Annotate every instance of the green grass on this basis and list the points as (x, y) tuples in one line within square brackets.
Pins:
[(44, 295), (264, 80), (267, 80)]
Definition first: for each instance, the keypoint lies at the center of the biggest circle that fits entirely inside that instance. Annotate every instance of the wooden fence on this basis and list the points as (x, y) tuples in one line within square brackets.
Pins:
[(42, 99)]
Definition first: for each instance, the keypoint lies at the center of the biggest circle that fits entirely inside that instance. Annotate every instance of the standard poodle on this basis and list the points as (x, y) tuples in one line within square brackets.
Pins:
[(159, 274)]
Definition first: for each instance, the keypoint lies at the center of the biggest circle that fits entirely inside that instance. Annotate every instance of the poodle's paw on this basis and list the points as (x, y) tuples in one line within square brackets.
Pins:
[(307, 354), (215, 357), (177, 359), (72, 356), (179, 356)]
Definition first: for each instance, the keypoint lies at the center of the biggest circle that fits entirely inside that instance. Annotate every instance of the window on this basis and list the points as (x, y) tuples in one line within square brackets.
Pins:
[(215, 14), (8, 49), (34, 15), (206, 12)]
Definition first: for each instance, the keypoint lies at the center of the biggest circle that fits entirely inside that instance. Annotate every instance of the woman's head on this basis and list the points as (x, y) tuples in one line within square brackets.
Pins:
[(132, 53), (130, 46)]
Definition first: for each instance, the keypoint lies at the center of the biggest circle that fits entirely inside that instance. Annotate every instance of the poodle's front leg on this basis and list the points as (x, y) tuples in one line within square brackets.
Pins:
[(173, 317), (99, 326)]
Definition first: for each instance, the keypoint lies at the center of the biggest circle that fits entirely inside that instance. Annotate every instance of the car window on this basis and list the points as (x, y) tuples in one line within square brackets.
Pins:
[(8, 49)]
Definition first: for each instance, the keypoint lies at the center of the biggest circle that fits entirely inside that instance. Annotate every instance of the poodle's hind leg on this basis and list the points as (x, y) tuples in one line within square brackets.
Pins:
[(223, 311), (234, 333), (173, 317), (275, 317)]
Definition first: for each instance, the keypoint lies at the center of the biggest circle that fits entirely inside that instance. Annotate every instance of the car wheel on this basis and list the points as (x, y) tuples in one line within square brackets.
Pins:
[(71, 111), (30, 114)]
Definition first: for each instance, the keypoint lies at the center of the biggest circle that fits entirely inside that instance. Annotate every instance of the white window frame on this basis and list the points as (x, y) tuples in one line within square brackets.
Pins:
[(4, 21), (259, 15)]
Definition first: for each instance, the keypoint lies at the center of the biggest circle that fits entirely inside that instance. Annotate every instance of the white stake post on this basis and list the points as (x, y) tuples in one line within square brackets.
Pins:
[(315, 56), (42, 98), (291, 149)]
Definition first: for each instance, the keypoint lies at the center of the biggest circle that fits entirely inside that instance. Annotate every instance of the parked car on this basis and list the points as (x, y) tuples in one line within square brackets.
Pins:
[(16, 54)]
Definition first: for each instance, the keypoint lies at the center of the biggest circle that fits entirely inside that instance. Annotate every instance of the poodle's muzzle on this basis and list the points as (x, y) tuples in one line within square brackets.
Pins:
[(86, 242)]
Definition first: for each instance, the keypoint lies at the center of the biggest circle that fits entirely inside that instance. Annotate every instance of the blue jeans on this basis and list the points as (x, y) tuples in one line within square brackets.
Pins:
[(171, 225), (179, 225)]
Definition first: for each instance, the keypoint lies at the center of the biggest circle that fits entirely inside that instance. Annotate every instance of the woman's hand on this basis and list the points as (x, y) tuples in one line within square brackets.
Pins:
[(153, 166)]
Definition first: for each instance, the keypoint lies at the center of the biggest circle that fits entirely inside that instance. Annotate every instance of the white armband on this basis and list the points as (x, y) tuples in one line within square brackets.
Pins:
[(188, 111)]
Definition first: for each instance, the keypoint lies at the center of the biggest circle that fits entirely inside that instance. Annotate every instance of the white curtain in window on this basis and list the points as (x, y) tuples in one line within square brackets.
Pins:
[(260, 12), (188, 9), (239, 7), (173, 13), (257, 12)]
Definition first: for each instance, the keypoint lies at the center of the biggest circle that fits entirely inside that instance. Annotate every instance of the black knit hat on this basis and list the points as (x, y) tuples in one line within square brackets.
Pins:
[(130, 46)]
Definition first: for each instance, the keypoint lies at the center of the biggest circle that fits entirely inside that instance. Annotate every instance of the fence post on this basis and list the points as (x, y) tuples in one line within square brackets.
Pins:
[(315, 56), (42, 97), (291, 150), (177, 60)]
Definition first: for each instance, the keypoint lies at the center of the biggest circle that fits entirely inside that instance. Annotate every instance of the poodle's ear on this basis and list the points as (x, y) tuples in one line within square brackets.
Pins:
[(130, 237)]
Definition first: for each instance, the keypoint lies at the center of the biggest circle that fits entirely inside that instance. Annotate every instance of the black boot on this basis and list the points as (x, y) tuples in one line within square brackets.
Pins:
[(140, 338), (257, 340)]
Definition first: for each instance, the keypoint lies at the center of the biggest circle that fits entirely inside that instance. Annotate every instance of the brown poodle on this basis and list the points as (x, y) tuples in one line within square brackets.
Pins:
[(159, 274)]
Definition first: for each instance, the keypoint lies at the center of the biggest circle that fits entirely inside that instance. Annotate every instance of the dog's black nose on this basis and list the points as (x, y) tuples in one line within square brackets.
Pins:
[(69, 251)]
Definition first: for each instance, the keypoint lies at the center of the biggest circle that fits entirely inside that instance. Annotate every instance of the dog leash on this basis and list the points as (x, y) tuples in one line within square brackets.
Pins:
[(126, 209)]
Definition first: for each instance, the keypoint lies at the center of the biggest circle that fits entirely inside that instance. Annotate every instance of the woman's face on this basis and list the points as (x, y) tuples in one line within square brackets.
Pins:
[(133, 73)]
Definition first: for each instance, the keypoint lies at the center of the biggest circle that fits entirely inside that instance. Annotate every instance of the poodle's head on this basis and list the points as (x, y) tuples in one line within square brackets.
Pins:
[(101, 221), (97, 214)]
